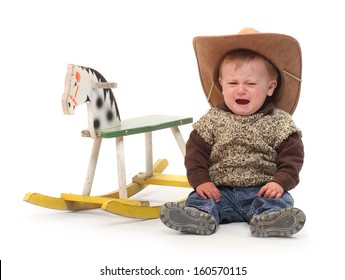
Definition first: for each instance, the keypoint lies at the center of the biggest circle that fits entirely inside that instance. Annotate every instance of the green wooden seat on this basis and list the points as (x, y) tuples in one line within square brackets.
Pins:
[(141, 125), (145, 125)]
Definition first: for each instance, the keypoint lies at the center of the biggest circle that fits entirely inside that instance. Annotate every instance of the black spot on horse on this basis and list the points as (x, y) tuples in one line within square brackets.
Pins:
[(110, 115), (99, 102), (96, 123)]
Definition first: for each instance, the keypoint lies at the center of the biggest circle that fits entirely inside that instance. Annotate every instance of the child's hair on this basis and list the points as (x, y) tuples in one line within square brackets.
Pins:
[(241, 56)]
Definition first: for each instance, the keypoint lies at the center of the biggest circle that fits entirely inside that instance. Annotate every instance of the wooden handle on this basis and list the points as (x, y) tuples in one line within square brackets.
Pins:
[(105, 85)]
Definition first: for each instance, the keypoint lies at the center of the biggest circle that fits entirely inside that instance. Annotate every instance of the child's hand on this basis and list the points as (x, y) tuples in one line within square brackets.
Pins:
[(208, 190), (271, 190)]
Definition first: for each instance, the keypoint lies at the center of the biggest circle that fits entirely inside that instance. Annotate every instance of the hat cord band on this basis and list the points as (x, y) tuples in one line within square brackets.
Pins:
[(292, 76), (210, 92)]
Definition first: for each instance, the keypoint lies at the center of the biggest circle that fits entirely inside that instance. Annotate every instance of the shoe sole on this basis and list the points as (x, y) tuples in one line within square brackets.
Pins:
[(283, 223), (186, 219)]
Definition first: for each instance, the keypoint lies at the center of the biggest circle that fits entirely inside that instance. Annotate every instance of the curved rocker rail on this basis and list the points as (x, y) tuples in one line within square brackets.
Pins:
[(74, 202), (109, 202), (120, 207), (58, 203)]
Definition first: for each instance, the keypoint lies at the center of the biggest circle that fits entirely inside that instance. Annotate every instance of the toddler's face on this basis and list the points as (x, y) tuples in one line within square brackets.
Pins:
[(245, 86)]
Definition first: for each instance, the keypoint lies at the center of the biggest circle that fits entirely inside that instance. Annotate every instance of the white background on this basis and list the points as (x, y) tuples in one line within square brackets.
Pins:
[(146, 47)]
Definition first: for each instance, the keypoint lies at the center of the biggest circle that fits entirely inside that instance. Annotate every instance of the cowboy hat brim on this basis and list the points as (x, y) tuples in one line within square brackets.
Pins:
[(281, 50)]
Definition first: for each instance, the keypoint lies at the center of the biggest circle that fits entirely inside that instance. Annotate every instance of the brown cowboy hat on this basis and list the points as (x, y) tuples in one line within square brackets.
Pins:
[(281, 50)]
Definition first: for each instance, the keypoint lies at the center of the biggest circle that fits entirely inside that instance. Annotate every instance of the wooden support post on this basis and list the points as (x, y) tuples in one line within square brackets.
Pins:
[(180, 141), (121, 167), (149, 156), (92, 166)]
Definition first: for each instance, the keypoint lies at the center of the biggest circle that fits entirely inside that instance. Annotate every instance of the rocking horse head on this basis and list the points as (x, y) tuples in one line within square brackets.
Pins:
[(85, 85)]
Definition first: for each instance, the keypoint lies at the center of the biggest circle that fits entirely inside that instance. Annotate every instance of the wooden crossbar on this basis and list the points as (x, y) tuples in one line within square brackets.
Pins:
[(162, 180), (101, 200)]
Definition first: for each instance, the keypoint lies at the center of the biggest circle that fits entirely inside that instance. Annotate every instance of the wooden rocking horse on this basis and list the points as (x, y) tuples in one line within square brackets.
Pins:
[(86, 85)]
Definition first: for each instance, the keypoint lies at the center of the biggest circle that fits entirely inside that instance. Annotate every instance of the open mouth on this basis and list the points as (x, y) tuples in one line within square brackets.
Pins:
[(242, 101)]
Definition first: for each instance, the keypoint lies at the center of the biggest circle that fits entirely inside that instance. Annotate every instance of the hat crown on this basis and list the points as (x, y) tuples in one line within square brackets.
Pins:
[(248, 30)]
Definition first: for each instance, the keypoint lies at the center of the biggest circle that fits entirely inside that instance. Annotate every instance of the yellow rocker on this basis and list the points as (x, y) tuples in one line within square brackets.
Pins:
[(86, 85)]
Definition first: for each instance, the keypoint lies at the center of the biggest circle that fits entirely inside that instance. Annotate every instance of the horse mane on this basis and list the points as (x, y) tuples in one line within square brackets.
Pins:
[(106, 91)]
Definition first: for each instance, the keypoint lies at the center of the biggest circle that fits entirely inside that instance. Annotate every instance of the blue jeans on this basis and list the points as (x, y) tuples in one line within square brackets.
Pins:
[(239, 204)]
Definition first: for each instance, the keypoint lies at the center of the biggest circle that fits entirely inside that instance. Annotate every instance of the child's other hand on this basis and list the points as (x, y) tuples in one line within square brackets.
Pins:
[(271, 190), (208, 190)]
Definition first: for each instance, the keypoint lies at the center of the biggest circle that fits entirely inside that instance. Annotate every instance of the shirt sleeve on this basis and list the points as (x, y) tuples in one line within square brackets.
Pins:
[(197, 160), (289, 162)]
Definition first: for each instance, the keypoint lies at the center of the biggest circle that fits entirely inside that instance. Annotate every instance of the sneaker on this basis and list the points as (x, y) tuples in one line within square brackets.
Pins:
[(282, 223), (187, 219)]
